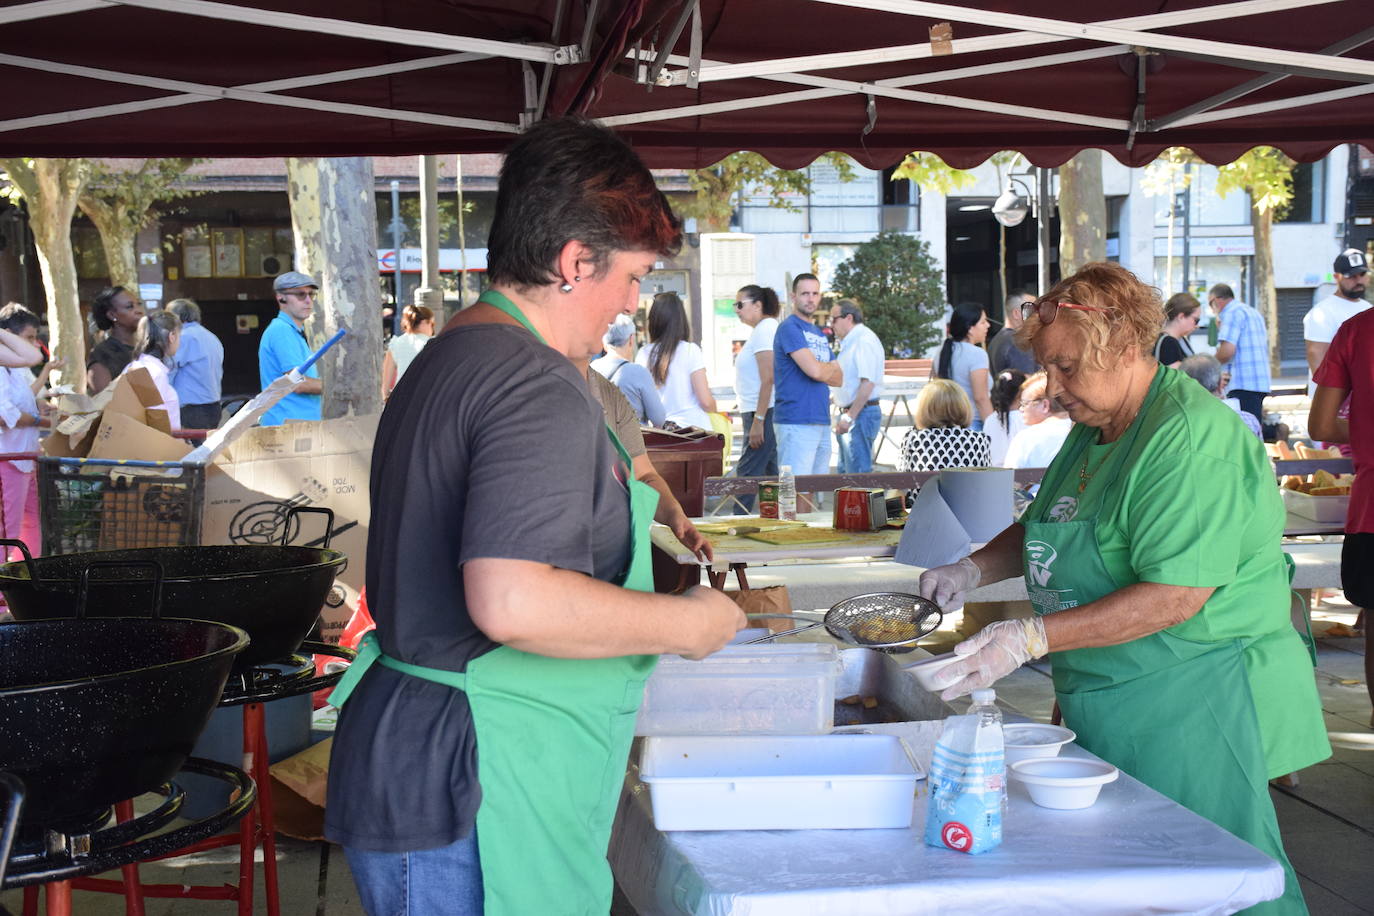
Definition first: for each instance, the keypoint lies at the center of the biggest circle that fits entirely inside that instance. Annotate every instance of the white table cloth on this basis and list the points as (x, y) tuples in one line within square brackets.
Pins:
[(1134, 851)]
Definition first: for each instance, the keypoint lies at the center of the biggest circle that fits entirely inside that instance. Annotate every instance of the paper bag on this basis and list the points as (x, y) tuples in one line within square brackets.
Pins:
[(771, 600), (299, 786)]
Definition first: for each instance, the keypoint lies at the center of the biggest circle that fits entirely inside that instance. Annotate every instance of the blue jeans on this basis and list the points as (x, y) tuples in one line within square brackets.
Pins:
[(804, 446), (431, 882), (756, 462), (856, 446)]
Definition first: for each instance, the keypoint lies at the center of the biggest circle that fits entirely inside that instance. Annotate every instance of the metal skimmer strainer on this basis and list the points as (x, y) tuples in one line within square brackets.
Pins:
[(878, 620)]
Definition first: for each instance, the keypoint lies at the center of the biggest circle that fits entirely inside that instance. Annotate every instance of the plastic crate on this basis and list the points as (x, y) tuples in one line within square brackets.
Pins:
[(762, 690), (813, 782), (98, 504)]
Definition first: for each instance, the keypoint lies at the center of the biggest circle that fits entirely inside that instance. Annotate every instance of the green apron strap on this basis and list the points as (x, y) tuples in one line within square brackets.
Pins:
[(499, 301)]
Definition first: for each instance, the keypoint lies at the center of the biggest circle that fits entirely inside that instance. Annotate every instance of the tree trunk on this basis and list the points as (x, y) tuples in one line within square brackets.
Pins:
[(1082, 212), (1267, 303), (117, 238), (50, 188), (334, 217)]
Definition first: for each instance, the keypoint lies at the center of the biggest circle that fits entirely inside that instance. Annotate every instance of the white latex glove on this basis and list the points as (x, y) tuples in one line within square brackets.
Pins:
[(991, 654), (945, 585)]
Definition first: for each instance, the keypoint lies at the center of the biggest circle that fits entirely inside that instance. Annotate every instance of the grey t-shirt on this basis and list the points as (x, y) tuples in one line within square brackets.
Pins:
[(1003, 353), (966, 358), (490, 446), (635, 382)]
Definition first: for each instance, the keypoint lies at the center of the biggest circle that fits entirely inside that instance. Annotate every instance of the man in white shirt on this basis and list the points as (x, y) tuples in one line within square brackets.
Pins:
[(1047, 426), (862, 358), (1322, 321)]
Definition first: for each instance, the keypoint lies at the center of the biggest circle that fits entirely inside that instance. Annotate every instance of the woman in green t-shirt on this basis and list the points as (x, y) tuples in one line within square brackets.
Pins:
[(1153, 558)]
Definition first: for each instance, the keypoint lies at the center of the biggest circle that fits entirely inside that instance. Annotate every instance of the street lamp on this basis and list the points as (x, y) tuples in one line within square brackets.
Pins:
[(1011, 208)]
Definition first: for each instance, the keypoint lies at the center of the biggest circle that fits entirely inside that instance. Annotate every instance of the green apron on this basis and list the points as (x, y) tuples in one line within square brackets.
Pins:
[(1177, 714), (553, 737)]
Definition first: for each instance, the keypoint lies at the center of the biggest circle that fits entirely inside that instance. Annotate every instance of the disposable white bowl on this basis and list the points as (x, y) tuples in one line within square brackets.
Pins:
[(1027, 740), (1064, 782), (925, 670)]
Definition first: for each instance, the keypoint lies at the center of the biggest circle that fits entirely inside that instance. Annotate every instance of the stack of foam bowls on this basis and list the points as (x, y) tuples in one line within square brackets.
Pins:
[(1066, 783)]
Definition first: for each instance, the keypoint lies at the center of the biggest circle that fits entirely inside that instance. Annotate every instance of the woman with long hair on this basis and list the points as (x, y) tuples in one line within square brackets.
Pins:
[(159, 335), (417, 327), (758, 307), (677, 365), (1006, 419), (1181, 314), (964, 361)]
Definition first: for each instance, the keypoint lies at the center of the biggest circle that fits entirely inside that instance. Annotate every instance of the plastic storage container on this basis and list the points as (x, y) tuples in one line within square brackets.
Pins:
[(760, 690), (1317, 508), (811, 782)]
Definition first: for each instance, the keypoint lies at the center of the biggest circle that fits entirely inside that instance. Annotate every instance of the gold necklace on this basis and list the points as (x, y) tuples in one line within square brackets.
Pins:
[(1084, 475)]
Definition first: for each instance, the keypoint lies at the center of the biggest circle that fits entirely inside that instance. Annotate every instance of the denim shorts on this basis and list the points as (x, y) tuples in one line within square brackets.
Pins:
[(804, 446)]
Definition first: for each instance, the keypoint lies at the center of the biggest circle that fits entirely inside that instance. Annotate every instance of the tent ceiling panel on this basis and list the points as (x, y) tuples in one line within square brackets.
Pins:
[(787, 78)]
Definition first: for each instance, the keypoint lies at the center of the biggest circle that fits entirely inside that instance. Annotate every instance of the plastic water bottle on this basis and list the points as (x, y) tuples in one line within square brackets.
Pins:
[(787, 493), (984, 706)]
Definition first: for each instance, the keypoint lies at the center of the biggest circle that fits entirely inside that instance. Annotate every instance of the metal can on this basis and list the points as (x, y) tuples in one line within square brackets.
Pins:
[(768, 500)]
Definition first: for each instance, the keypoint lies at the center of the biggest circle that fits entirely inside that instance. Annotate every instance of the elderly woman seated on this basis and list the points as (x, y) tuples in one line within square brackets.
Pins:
[(942, 438), (1207, 372), (1153, 558)]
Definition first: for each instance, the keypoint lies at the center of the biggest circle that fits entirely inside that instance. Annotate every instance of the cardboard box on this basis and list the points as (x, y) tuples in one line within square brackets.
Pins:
[(261, 475)]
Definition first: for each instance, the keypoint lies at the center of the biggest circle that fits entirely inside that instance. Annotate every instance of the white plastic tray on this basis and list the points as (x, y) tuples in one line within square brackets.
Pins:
[(1317, 508), (759, 690), (811, 782)]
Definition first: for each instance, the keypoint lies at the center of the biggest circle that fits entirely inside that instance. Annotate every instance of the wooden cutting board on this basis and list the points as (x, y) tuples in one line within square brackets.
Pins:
[(744, 521), (785, 536)]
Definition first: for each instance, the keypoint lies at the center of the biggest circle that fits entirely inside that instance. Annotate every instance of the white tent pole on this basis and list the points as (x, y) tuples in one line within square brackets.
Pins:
[(1297, 101), (296, 82), (265, 98), (892, 88), (1080, 30), (363, 30), (991, 42), (43, 9)]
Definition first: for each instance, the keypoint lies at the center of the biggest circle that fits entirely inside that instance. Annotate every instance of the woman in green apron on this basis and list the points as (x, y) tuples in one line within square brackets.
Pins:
[(1152, 555), (485, 726)]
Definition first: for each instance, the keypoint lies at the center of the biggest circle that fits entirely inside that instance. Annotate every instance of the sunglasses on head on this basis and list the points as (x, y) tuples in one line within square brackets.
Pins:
[(1047, 310)]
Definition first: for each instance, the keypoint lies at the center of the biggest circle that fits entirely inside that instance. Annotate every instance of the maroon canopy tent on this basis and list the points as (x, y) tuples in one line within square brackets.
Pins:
[(688, 82)]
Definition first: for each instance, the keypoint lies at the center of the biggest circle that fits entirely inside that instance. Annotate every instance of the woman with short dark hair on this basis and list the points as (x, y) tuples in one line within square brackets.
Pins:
[(485, 726), (116, 311), (20, 420)]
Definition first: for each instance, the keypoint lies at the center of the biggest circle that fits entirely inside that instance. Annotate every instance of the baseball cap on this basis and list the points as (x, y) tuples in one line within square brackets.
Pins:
[(1351, 261), (294, 279)]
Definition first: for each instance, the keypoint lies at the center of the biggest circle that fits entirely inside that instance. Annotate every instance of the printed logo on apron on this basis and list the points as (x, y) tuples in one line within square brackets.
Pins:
[(1040, 557), (1065, 509)]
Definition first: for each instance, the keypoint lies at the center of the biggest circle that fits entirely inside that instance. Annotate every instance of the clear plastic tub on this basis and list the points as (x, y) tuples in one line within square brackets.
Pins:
[(811, 782), (1317, 508), (756, 690)]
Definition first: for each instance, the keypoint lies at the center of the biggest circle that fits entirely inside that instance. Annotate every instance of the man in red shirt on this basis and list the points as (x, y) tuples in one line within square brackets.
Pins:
[(1348, 371)]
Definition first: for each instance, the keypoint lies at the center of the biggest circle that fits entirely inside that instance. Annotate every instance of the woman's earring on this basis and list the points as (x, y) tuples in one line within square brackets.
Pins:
[(565, 288)]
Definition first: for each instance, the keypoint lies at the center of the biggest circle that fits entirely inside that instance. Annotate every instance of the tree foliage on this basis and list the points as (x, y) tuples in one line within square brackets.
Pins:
[(714, 189), (120, 198), (900, 288), (930, 172), (1265, 174)]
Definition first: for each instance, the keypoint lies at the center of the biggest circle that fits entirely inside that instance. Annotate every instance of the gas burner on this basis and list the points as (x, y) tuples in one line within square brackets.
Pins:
[(45, 855), (285, 677)]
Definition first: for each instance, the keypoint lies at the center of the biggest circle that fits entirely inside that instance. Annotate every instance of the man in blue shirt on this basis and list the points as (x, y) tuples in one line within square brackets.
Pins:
[(284, 347), (1243, 350), (803, 371), (197, 368)]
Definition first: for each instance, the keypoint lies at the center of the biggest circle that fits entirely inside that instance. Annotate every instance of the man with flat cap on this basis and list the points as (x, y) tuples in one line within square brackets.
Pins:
[(284, 347), (1320, 324)]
